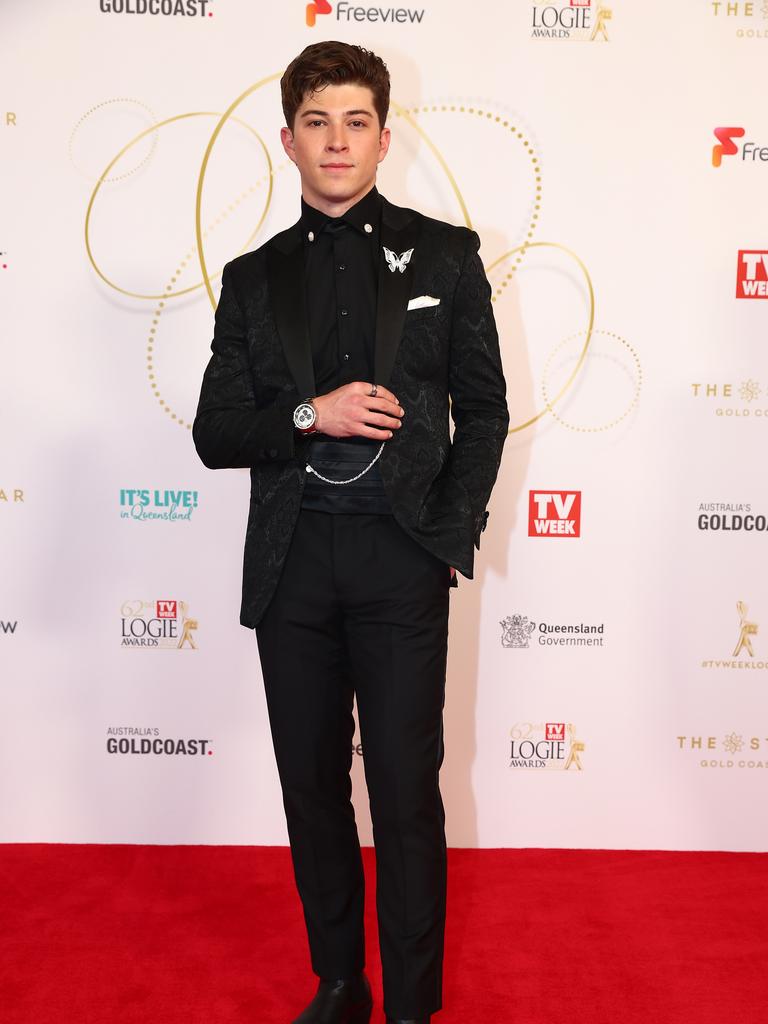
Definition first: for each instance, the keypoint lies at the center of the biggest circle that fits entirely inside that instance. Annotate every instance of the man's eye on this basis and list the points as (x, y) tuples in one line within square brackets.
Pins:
[(315, 124), (358, 124)]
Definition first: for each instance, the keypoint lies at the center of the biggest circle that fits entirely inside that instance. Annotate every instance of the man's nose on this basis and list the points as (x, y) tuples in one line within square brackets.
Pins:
[(337, 140)]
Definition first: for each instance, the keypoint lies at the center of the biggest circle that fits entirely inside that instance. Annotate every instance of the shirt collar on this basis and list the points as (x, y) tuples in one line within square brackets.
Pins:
[(364, 216)]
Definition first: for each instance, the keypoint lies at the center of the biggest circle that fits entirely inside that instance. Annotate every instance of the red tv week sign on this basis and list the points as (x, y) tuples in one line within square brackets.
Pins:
[(554, 513), (752, 274)]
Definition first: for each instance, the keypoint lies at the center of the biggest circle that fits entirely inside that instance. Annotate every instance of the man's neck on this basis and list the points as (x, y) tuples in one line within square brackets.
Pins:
[(335, 208)]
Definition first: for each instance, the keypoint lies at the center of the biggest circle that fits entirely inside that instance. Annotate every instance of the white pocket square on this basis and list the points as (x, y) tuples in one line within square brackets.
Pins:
[(423, 300)]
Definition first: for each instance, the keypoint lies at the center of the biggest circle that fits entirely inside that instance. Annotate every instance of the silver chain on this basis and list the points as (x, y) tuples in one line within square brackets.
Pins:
[(311, 469)]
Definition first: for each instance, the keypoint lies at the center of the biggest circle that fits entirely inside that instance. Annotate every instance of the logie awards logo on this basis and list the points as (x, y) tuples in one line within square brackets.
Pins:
[(545, 746), (572, 20), (158, 624)]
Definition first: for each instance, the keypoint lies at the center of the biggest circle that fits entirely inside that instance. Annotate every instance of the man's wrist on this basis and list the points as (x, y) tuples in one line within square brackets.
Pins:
[(305, 417)]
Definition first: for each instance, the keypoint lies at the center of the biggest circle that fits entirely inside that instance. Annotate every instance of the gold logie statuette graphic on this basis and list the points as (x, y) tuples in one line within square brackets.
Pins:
[(746, 631)]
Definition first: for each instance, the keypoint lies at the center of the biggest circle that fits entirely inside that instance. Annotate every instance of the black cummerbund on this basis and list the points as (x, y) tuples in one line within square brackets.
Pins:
[(340, 460)]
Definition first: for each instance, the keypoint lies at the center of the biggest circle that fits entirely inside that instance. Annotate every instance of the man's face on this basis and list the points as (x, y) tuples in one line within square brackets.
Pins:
[(337, 145)]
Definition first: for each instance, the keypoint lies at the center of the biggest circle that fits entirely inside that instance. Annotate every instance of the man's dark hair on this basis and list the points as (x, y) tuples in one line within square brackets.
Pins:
[(334, 63)]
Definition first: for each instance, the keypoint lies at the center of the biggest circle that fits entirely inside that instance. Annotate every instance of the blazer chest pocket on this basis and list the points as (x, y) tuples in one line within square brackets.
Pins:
[(425, 313)]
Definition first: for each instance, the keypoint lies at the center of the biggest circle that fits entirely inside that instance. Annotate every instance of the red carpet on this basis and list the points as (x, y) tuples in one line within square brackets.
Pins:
[(214, 935)]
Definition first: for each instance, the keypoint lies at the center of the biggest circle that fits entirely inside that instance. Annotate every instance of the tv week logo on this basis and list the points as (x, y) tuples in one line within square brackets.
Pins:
[(554, 730), (752, 274), (165, 609), (554, 513), (319, 7)]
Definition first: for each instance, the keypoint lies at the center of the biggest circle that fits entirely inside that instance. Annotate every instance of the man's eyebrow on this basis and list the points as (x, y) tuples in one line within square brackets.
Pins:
[(324, 113)]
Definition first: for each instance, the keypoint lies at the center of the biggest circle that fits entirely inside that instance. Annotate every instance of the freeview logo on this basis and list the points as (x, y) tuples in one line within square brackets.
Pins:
[(319, 7), (727, 147), (351, 12)]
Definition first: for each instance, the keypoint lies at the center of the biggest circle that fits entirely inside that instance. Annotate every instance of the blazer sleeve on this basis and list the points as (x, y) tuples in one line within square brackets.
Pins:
[(229, 431), (477, 387)]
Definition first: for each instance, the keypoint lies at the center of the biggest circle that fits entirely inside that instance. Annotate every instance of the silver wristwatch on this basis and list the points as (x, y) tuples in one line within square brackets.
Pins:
[(305, 417)]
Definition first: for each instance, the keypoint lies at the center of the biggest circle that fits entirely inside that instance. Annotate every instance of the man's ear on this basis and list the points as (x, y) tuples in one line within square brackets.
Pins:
[(286, 137)]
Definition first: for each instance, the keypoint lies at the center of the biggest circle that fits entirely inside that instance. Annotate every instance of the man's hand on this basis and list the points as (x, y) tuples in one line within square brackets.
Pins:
[(351, 411)]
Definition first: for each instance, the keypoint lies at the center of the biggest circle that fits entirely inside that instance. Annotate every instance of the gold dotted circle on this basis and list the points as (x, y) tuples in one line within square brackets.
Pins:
[(606, 426), (445, 108), (99, 106), (161, 124), (188, 257)]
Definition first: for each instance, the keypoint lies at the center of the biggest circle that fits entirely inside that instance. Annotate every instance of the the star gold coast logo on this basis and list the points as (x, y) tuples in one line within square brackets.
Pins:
[(743, 399), (745, 20), (9, 119), (548, 746), (158, 624), (351, 12), (575, 20), (743, 656), (729, 750), (11, 496)]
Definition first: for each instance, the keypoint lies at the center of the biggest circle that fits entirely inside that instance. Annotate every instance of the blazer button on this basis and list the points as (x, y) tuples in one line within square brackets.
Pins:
[(273, 453)]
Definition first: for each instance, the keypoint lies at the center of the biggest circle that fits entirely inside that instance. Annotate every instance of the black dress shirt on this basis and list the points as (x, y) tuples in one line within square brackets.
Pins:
[(341, 258)]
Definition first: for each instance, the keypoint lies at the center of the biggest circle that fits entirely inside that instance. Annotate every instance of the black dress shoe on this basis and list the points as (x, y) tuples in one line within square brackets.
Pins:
[(344, 1001)]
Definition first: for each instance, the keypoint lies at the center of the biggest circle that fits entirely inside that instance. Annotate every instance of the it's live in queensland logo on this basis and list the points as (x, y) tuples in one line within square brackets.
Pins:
[(547, 746), (162, 624), (581, 21), (146, 504), (350, 12), (129, 739)]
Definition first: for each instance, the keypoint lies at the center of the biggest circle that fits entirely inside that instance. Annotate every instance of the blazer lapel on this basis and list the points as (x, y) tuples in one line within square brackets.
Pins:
[(285, 278), (398, 233)]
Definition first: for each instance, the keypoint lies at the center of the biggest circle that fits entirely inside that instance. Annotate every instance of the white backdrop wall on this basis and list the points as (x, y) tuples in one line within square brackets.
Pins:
[(638, 383)]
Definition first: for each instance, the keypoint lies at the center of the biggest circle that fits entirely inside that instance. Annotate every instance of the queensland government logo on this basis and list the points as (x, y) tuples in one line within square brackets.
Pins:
[(746, 152), (730, 517), (752, 274), (728, 750), (147, 505), (746, 20), (551, 746), (165, 8), (740, 399), (743, 655), (575, 20), (158, 624), (554, 513), (517, 632), (348, 12), (127, 739)]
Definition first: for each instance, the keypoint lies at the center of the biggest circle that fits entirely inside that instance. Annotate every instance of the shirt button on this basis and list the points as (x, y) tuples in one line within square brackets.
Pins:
[(345, 312), (311, 236), (368, 229), (342, 266), (346, 355), (273, 453)]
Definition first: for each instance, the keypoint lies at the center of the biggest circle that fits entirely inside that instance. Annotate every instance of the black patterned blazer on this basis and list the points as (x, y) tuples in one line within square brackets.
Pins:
[(261, 368)]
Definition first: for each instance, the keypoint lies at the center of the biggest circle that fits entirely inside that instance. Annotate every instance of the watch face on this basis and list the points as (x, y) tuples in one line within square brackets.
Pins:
[(304, 415)]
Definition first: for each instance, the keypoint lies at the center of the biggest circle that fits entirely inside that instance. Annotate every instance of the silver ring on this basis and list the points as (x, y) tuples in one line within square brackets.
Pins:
[(374, 391)]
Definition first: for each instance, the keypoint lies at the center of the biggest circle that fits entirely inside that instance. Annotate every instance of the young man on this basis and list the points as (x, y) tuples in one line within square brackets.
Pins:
[(336, 348)]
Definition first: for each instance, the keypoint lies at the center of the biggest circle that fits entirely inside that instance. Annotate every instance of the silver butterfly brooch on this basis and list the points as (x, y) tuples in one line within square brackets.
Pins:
[(395, 262)]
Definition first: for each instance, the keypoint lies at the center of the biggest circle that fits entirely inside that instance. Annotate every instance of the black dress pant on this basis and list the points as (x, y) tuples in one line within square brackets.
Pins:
[(362, 609)]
